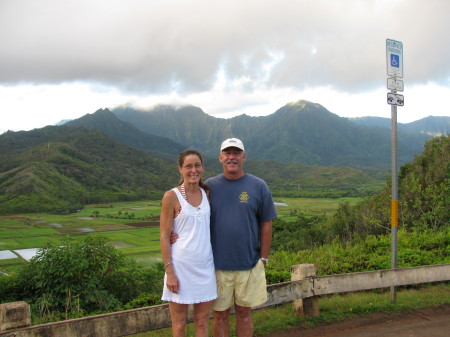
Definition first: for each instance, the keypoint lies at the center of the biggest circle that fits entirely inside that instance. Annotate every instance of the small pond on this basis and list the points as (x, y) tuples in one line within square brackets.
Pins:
[(27, 254), (7, 254), (84, 230)]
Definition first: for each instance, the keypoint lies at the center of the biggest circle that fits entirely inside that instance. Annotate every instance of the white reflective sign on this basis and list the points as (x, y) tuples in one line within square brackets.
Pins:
[(394, 58), (395, 99), (394, 84)]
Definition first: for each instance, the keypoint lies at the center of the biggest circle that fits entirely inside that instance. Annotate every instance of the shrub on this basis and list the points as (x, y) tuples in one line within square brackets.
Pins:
[(81, 277), (371, 253)]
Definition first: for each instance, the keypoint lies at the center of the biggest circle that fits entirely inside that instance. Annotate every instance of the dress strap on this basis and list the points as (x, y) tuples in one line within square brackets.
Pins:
[(183, 194), (183, 191)]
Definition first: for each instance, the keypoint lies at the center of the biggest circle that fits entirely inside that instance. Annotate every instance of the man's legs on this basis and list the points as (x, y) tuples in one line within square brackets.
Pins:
[(244, 324), (220, 323)]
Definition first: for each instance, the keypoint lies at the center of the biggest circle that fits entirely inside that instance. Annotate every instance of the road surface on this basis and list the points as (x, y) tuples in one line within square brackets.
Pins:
[(430, 322)]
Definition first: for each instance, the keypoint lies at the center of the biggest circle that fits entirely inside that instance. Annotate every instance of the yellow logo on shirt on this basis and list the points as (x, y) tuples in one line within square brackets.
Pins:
[(244, 197)]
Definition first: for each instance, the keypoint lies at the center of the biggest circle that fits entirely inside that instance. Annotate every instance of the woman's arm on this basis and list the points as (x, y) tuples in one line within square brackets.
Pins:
[(168, 211)]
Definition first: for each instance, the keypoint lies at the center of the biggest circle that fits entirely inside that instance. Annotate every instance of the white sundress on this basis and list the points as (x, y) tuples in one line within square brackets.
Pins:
[(192, 256)]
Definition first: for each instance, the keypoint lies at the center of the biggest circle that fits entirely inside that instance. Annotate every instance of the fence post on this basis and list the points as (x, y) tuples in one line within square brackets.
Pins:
[(14, 315), (306, 306)]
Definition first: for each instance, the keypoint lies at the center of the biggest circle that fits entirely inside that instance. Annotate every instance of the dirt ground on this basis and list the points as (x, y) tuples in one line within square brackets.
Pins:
[(430, 322)]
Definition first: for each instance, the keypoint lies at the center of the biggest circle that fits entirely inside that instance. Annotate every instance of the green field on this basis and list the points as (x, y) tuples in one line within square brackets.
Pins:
[(309, 206), (132, 227)]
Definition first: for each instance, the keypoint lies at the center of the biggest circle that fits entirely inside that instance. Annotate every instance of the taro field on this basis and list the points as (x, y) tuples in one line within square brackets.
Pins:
[(131, 227)]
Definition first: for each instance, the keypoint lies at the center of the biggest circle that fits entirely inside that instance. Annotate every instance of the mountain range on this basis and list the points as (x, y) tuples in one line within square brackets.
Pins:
[(129, 154), (301, 132), (431, 125), (61, 168)]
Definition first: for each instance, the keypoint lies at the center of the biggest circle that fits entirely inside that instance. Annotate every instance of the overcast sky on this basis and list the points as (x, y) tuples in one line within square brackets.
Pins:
[(63, 59)]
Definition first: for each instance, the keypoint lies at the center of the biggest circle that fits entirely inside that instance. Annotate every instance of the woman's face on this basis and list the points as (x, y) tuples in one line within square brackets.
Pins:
[(192, 169)]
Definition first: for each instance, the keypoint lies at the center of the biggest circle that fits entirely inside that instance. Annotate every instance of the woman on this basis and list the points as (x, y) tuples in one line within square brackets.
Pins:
[(189, 266)]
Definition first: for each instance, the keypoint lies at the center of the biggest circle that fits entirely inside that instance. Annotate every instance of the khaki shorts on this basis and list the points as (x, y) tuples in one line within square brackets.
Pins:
[(246, 288)]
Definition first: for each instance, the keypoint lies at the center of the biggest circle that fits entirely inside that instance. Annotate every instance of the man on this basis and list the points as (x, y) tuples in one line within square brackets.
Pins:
[(242, 210)]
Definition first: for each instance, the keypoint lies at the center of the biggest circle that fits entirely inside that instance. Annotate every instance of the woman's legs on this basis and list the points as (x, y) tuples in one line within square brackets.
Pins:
[(201, 318), (178, 315)]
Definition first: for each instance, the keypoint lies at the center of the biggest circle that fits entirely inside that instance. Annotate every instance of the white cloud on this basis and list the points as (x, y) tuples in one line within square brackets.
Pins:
[(27, 106), (61, 60)]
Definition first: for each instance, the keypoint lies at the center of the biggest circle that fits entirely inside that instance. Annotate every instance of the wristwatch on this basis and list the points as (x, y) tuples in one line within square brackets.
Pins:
[(266, 261)]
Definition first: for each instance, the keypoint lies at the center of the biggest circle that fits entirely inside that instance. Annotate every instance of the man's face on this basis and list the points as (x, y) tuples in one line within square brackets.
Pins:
[(232, 159)]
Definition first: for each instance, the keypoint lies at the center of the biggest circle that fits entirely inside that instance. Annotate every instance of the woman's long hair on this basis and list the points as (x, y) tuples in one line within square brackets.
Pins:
[(181, 159)]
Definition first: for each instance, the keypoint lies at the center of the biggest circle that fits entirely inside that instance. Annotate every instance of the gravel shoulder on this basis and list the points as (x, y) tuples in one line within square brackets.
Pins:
[(429, 322)]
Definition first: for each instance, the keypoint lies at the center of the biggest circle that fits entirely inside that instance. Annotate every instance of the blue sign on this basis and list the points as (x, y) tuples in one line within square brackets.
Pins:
[(395, 60)]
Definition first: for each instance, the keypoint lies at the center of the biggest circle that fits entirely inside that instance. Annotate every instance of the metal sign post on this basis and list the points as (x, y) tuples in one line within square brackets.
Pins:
[(394, 202), (394, 62)]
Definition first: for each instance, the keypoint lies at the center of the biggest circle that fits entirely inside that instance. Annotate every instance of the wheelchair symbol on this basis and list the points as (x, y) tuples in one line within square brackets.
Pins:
[(395, 61)]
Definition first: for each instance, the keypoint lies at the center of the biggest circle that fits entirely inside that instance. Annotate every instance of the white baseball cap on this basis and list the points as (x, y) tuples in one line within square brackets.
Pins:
[(232, 142)]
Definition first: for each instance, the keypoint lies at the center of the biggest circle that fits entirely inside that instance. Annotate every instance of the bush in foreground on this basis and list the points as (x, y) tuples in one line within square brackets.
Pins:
[(79, 278)]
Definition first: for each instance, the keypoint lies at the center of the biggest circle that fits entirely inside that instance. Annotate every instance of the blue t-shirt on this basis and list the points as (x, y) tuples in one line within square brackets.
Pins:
[(238, 206)]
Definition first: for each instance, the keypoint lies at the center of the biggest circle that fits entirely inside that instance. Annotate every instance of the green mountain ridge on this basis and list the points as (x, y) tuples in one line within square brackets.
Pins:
[(301, 132), (431, 125), (73, 167), (129, 154), (61, 168), (105, 121)]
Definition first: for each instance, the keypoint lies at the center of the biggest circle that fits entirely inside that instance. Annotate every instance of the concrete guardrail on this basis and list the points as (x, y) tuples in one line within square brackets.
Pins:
[(302, 291)]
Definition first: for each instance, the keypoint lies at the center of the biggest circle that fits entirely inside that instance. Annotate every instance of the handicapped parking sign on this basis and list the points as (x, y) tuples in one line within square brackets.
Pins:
[(394, 58)]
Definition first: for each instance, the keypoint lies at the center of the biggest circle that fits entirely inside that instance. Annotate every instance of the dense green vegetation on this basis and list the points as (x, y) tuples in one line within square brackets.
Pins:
[(313, 181), (371, 253), (81, 277), (355, 238), (424, 203), (131, 227), (60, 169)]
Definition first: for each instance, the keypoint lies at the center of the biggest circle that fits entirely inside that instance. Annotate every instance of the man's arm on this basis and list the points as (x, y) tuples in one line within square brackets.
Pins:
[(266, 238), (173, 238)]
